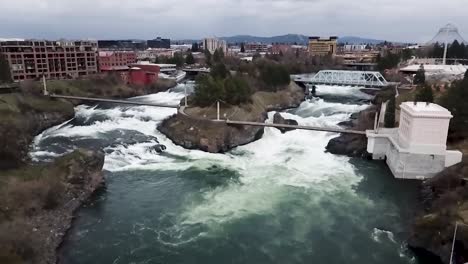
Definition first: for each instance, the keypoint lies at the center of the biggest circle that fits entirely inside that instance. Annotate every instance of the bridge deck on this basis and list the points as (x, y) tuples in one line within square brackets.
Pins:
[(324, 129), (102, 100)]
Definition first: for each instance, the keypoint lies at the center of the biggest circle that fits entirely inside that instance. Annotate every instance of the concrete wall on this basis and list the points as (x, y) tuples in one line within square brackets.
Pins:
[(414, 166)]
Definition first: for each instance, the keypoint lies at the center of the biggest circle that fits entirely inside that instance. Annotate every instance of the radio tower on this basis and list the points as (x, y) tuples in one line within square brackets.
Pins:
[(447, 35)]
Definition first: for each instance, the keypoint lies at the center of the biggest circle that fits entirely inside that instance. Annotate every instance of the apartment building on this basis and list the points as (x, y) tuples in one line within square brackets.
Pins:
[(212, 44), (31, 59), (256, 47), (322, 46)]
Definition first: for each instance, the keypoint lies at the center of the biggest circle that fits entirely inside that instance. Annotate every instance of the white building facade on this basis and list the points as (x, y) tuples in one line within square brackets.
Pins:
[(418, 148), (212, 44)]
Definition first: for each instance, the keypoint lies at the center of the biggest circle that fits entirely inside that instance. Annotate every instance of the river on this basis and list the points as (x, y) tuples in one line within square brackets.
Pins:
[(281, 199)]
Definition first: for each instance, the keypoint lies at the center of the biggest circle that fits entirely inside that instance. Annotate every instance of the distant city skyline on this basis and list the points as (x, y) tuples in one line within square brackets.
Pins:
[(394, 20)]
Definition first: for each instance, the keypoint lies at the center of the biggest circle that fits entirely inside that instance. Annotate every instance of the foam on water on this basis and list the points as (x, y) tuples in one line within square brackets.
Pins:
[(343, 91), (278, 169)]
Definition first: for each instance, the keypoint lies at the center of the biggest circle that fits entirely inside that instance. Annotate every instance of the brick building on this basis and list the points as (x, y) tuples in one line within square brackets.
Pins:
[(31, 59), (112, 59), (253, 47)]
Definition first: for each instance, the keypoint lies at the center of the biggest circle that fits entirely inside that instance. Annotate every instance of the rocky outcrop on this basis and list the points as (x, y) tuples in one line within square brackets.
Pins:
[(23, 117), (445, 202), (351, 144), (279, 119), (193, 129), (37, 203)]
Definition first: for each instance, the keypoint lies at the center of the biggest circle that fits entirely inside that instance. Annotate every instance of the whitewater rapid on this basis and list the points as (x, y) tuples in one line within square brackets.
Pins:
[(290, 169)]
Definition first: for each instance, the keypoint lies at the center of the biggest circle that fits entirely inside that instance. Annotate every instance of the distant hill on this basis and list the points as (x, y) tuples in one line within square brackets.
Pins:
[(287, 39)]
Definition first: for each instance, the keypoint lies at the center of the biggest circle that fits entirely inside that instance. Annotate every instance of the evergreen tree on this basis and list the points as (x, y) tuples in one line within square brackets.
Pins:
[(425, 94), (218, 56), (5, 74), (178, 59), (208, 90), (420, 77), (190, 59), (388, 61), (208, 58), (454, 100), (219, 71), (389, 120), (237, 90), (242, 47)]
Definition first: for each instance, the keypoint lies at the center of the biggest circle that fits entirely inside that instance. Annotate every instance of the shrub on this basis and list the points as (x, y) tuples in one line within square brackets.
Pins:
[(18, 243), (425, 94)]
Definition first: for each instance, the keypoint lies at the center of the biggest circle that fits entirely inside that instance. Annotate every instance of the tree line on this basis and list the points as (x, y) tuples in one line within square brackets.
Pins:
[(455, 50), (237, 87)]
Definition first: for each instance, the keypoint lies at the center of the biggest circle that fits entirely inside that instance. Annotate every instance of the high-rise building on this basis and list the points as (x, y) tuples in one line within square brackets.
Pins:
[(31, 59), (159, 43), (212, 44), (322, 46)]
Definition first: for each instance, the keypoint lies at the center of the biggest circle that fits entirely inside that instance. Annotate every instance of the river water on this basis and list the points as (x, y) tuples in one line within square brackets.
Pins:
[(281, 199)]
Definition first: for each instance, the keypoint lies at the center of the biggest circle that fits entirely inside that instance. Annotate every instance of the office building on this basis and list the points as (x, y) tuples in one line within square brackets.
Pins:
[(31, 59), (122, 44), (159, 43), (322, 46)]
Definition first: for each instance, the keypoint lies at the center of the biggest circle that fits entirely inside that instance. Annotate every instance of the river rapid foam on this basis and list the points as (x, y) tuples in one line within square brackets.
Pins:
[(281, 199)]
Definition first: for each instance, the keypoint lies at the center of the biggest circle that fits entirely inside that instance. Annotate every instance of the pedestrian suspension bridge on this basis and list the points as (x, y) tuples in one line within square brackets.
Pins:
[(181, 110)]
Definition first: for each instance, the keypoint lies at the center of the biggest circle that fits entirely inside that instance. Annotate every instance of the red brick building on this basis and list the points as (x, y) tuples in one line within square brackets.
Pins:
[(144, 73), (109, 60), (31, 59)]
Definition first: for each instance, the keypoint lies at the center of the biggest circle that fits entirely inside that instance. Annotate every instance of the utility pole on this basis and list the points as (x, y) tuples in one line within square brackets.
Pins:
[(217, 110)]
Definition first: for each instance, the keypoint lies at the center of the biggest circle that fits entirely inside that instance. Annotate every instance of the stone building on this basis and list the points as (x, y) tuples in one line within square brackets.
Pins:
[(417, 149)]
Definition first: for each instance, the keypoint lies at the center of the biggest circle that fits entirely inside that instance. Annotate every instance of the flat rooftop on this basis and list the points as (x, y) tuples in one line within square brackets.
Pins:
[(425, 109)]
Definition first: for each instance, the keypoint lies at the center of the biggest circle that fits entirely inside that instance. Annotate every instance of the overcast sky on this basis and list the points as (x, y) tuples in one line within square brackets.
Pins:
[(396, 20)]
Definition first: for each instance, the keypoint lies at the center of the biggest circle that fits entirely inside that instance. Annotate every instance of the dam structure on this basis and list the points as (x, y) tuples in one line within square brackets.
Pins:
[(417, 148)]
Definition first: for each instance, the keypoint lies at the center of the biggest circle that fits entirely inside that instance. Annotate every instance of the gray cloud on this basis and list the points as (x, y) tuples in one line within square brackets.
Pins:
[(400, 20)]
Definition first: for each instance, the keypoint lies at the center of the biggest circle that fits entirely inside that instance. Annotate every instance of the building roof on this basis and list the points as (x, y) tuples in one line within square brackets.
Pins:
[(437, 69), (114, 68), (422, 109)]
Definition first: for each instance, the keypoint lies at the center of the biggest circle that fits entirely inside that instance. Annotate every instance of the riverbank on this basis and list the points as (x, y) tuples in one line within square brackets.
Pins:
[(37, 203), (193, 130)]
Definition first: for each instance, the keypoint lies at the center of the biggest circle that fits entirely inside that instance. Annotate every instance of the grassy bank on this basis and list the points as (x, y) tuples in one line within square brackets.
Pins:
[(107, 87), (37, 203)]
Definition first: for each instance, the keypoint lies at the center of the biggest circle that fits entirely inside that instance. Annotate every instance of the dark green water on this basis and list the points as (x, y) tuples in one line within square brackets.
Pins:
[(281, 199)]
